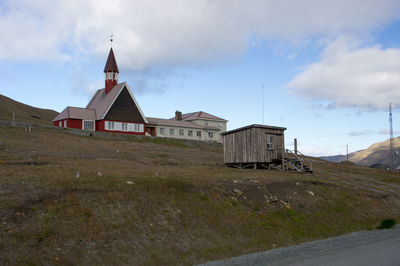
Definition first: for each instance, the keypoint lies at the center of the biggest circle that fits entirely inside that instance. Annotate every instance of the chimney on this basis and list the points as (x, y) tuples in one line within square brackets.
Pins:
[(178, 115)]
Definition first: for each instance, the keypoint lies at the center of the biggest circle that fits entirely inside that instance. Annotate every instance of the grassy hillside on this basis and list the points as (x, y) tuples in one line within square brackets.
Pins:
[(23, 112), (87, 200)]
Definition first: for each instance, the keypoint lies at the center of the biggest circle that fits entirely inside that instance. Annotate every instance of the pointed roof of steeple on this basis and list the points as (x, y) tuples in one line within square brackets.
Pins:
[(111, 65)]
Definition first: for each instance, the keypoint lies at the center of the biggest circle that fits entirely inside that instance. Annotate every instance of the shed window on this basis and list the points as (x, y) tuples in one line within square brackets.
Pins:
[(172, 131), (162, 131), (269, 141)]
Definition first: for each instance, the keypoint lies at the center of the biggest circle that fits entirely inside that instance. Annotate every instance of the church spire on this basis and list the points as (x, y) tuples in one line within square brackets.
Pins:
[(111, 71)]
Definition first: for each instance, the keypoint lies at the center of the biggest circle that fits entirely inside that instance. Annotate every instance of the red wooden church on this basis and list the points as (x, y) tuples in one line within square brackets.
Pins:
[(112, 109)]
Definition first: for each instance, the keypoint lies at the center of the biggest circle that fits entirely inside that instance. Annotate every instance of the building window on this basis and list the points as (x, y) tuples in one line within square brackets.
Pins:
[(65, 123), (124, 126), (190, 132), (60, 123), (172, 131), (219, 125), (199, 133), (88, 125), (113, 75), (269, 141), (162, 131), (137, 128), (181, 132), (206, 123), (211, 135), (110, 125)]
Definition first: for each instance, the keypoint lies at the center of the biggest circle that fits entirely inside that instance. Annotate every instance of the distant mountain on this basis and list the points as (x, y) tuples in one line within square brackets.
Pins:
[(23, 112), (334, 158), (377, 153)]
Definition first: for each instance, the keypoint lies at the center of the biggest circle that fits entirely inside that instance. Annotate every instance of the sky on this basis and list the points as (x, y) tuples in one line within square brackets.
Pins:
[(326, 70)]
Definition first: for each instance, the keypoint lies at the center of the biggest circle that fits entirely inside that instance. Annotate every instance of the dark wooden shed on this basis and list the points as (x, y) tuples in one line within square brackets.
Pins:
[(256, 146)]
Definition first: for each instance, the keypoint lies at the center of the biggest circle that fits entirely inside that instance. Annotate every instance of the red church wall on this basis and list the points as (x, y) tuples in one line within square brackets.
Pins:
[(100, 125), (74, 123), (71, 123)]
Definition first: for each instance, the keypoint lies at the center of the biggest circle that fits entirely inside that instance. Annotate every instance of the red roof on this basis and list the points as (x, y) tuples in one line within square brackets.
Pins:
[(201, 116), (111, 65), (178, 123)]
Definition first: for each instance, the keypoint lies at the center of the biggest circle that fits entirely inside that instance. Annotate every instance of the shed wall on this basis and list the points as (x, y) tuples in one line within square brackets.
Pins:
[(249, 146)]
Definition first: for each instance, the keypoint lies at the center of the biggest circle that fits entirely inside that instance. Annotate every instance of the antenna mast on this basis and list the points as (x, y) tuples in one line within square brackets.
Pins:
[(391, 136), (263, 104)]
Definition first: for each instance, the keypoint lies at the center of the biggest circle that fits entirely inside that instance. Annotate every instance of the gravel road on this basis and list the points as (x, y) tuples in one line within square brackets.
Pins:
[(375, 247)]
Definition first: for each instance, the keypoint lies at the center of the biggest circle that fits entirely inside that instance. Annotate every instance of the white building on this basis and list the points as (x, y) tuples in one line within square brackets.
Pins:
[(195, 126)]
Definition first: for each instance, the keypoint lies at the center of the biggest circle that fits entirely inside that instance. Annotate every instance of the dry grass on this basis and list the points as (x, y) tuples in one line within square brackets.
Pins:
[(160, 201)]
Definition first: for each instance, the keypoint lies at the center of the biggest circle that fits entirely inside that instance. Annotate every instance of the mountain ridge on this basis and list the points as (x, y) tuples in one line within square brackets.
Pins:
[(377, 153)]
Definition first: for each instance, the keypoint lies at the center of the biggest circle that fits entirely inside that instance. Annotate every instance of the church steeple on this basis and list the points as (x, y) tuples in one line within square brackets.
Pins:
[(111, 71)]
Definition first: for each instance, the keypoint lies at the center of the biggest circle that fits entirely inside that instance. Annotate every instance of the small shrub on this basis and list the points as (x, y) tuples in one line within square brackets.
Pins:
[(339, 209), (203, 196), (387, 223)]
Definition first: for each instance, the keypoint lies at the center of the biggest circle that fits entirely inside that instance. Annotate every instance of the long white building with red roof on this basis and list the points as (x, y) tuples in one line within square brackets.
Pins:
[(194, 126)]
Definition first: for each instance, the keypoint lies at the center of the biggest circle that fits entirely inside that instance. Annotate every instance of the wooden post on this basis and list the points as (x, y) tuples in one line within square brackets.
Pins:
[(13, 121), (295, 146)]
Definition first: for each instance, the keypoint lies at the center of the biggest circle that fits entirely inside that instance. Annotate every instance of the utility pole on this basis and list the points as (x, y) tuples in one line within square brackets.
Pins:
[(263, 104), (347, 151), (391, 136)]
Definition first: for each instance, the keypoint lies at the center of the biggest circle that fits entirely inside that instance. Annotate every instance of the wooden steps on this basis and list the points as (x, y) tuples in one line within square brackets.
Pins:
[(297, 162)]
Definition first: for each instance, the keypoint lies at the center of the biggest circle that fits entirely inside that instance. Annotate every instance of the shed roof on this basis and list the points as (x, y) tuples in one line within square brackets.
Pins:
[(252, 126), (178, 123), (76, 113)]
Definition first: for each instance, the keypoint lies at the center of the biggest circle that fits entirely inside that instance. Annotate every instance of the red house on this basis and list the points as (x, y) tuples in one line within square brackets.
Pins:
[(112, 109)]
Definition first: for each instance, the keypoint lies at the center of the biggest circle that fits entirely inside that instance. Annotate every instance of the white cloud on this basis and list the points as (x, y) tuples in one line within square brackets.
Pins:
[(385, 131), (362, 133), (350, 76), (175, 32)]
